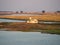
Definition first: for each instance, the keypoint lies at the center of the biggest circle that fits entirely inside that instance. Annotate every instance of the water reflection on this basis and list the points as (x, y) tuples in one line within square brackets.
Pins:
[(28, 38)]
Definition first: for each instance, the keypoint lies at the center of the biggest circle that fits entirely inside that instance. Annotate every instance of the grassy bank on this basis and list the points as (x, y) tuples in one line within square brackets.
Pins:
[(50, 31), (39, 17), (26, 27)]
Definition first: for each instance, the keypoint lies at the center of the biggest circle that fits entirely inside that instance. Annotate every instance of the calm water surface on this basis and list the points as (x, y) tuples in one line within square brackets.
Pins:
[(10, 20), (28, 38)]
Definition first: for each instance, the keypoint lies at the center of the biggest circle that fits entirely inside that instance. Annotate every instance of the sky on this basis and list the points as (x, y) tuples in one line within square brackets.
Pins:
[(29, 5)]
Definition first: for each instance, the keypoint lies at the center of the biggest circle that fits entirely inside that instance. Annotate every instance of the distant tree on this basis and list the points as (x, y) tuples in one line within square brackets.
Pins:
[(21, 11), (17, 12), (43, 11), (58, 11)]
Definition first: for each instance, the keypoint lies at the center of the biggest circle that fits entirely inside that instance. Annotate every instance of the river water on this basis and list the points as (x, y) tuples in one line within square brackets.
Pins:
[(28, 38), (10, 20)]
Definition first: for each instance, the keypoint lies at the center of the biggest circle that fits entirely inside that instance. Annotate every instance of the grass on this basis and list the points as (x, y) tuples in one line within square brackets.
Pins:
[(39, 17), (50, 31), (25, 27), (43, 28)]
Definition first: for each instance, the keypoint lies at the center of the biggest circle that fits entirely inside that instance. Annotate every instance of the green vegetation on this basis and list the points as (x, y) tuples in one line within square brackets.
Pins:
[(50, 31)]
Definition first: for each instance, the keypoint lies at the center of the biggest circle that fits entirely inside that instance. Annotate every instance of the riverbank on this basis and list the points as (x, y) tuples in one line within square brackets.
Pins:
[(38, 17), (26, 27)]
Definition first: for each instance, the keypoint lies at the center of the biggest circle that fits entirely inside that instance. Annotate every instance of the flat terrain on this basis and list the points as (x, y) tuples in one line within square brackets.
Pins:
[(26, 27), (22, 26), (39, 17)]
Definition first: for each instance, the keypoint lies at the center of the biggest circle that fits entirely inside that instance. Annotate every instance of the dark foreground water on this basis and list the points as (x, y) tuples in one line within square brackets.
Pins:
[(28, 38)]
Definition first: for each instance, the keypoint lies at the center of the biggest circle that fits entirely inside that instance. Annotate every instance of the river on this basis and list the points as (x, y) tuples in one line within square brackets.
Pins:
[(11, 20), (28, 38)]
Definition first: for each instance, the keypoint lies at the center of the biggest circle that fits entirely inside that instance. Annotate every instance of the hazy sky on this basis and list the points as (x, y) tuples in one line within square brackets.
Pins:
[(29, 5)]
